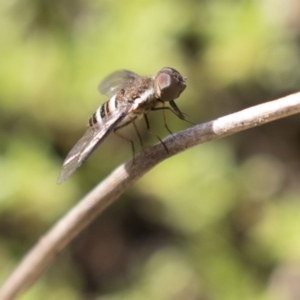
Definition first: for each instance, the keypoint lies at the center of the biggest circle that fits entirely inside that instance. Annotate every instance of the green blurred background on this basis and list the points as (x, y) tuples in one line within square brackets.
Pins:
[(220, 221)]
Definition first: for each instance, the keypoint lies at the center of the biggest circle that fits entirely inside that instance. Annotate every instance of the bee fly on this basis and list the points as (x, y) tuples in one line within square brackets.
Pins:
[(131, 97)]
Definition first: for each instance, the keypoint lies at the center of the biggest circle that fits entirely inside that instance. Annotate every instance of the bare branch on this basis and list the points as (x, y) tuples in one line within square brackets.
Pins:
[(58, 237)]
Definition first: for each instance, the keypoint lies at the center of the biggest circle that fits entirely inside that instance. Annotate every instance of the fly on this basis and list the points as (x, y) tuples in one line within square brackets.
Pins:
[(131, 97)]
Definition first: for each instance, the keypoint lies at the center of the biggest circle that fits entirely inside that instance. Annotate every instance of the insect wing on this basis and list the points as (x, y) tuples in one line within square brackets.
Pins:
[(91, 139), (116, 81)]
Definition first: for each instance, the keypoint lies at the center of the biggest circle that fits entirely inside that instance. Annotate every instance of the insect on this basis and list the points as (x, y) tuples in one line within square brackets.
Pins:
[(131, 97)]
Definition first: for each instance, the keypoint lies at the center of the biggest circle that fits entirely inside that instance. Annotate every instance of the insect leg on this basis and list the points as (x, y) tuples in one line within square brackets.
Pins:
[(126, 138), (163, 109), (180, 116), (138, 134), (179, 113), (177, 110), (153, 133)]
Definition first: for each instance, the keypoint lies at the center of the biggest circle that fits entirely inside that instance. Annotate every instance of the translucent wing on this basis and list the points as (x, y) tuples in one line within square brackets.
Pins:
[(91, 139), (116, 81)]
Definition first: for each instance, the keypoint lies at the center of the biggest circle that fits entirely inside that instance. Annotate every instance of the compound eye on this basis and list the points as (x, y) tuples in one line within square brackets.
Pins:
[(168, 86)]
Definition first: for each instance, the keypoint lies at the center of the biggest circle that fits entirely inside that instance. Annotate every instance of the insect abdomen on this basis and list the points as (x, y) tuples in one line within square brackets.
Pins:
[(103, 112)]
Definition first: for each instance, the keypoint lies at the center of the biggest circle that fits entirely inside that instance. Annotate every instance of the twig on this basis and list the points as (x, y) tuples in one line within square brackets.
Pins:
[(69, 226)]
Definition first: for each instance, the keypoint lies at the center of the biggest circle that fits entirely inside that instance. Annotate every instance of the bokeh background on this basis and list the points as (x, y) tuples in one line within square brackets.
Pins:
[(218, 222)]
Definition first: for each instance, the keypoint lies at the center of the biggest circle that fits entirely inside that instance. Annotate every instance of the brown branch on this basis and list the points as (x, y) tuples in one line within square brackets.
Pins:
[(58, 237)]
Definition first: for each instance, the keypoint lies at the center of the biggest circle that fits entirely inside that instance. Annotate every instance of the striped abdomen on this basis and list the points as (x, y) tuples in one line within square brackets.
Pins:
[(104, 111)]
